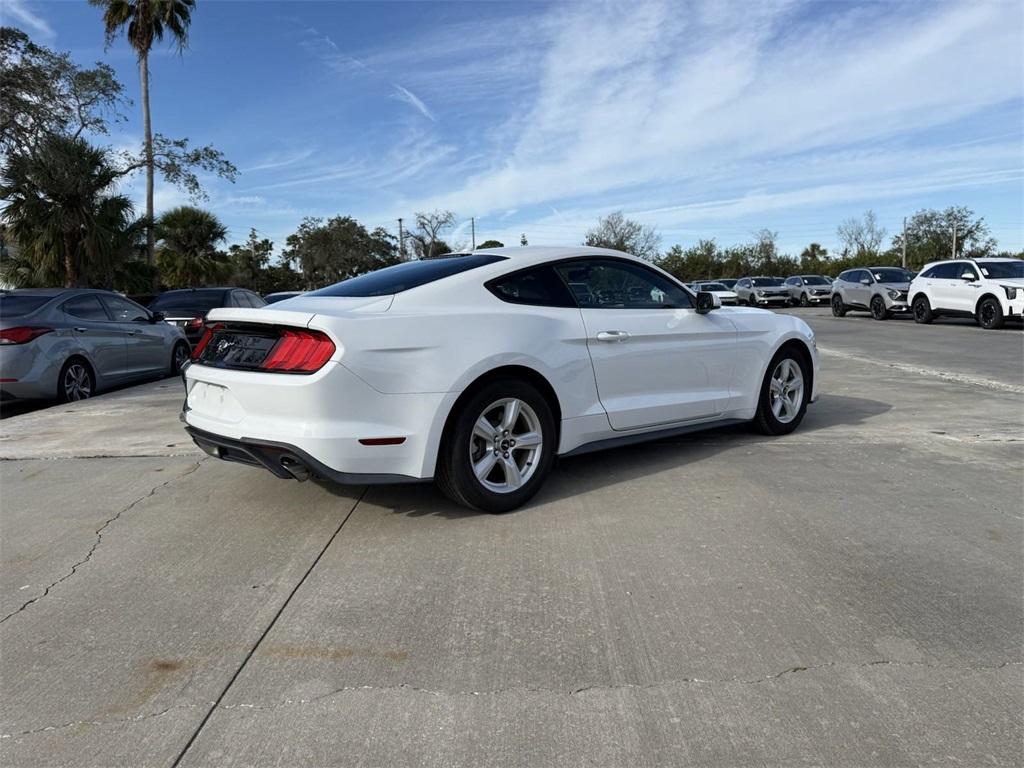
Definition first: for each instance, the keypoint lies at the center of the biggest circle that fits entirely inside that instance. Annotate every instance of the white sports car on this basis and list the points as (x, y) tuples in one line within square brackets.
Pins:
[(476, 370)]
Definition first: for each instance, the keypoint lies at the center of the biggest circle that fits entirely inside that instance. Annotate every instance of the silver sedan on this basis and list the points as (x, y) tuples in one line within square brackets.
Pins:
[(70, 343)]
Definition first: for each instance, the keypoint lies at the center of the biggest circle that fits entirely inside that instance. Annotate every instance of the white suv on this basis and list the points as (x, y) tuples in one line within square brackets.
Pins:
[(989, 290)]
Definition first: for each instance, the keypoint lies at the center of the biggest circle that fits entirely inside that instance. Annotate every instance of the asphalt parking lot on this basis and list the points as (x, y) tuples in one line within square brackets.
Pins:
[(847, 595)]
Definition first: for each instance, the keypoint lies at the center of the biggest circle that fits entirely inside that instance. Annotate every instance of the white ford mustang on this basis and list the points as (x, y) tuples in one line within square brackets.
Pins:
[(477, 369)]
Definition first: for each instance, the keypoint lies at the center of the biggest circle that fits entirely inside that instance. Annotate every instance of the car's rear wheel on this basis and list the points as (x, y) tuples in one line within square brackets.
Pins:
[(178, 357), (878, 310), (922, 310), (990, 314), (499, 447), (76, 381), (784, 394), (838, 308)]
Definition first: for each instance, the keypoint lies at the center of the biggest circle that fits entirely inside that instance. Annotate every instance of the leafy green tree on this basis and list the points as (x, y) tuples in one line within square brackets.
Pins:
[(281, 277), (426, 237), (862, 238), (43, 93), (622, 234), (814, 260), (698, 262), (250, 261), (188, 255), (60, 207), (490, 244), (930, 236), (328, 251)]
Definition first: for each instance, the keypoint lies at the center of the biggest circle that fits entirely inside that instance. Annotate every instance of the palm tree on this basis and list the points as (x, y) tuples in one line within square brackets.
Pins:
[(147, 21), (59, 207), (188, 252)]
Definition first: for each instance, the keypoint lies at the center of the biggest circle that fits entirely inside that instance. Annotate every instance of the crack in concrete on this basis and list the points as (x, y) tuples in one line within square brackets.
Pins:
[(76, 723), (99, 539)]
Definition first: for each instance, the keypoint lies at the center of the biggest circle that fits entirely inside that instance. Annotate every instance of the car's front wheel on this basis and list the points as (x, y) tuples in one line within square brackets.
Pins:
[(76, 381), (499, 447), (178, 357), (878, 310), (922, 310), (804, 301), (990, 314), (784, 394), (838, 308)]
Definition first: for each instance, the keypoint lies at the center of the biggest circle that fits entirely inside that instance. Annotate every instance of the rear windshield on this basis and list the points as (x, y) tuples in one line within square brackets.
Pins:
[(188, 302), (410, 274), (19, 305), (765, 282)]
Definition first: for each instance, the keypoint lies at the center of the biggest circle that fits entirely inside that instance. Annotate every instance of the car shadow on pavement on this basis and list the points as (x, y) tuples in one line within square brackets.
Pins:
[(593, 471)]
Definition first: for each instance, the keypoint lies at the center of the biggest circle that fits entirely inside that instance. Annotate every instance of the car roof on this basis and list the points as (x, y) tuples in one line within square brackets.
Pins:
[(524, 255)]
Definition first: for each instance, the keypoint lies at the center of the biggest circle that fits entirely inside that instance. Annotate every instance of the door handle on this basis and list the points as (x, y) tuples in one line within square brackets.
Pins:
[(612, 335), (80, 330), (134, 332)]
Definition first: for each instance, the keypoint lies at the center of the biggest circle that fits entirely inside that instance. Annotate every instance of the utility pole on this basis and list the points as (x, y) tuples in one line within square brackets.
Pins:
[(401, 240), (472, 224), (954, 239), (904, 242)]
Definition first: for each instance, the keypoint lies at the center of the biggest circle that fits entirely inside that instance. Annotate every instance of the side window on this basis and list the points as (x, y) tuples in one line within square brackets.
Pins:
[(236, 299), (967, 270), (843, 277), (613, 284), (861, 275), (946, 271), (125, 311), (539, 286), (87, 307), (256, 301), (929, 272), (744, 283)]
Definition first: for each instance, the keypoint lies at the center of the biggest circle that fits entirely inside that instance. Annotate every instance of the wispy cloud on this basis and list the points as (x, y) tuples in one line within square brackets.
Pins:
[(20, 14), (414, 101)]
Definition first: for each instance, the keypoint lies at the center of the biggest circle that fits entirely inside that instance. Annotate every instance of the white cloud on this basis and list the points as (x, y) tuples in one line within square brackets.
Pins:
[(19, 13), (414, 101)]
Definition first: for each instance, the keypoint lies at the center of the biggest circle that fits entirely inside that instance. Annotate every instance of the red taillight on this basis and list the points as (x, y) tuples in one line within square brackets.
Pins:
[(195, 322), (22, 334), (197, 350), (299, 352)]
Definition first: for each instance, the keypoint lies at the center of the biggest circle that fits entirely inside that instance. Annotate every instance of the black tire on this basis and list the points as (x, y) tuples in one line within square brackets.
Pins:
[(838, 308), (765, 420), (455, 475), (990, 314), (76, 381), (922, 310), (179, 355), (878, 310), (804, 301)]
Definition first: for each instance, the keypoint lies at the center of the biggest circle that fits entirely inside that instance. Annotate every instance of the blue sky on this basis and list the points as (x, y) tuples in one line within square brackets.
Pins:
[(707, 119)]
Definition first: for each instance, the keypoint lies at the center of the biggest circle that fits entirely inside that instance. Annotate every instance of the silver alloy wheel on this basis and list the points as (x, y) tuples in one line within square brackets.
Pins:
[(506, 444), (786, 390), (77, 382), (181, 354)]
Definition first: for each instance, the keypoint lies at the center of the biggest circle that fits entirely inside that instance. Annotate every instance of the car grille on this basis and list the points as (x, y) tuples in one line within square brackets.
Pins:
[(820, 292)]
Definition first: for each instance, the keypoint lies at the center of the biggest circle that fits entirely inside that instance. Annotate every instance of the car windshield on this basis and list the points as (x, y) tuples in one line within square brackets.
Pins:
[(410, 274), (713, 287), (815, 280), (193, 303), (891, 275), (19, 305), (1003, 270), (765, 282)]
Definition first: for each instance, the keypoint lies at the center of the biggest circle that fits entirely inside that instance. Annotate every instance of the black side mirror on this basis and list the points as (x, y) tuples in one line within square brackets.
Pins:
[(156, 317), (707, 301)]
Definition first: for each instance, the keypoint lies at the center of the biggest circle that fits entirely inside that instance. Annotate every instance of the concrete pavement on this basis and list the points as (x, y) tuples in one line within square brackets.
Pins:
[(850, 594)]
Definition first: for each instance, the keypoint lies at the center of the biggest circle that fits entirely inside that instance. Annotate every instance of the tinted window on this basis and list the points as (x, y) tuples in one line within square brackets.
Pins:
[(967, 270), (766, 282), (1002, 270), (125, 311), (612, 284), (189, 303), (86, 307), (792, 281), (17, 305), (815, 280), (410, 274), (744, 283), (539, 286), (844, 276), (712, 287), (255, 300), (893, 275)]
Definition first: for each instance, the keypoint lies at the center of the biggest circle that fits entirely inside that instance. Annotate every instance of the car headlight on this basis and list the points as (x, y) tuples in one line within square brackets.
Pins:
[(894, 295), (1011, 292)]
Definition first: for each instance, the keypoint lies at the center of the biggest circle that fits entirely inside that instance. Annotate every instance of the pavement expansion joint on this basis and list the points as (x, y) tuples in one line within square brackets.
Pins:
[(99, 539)]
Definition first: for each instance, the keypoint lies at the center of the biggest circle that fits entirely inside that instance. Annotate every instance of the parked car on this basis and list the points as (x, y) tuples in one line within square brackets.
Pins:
[(882, 291), (726, 296), (989, 290), (476, 370), (728, 282), (273, 298), (756, 291), (805, 290), (187, 307), (71, 343)]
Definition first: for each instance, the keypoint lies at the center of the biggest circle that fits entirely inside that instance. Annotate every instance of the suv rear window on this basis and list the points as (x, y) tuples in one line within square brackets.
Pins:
[(189, 302), (15, 305), (409, 274)]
